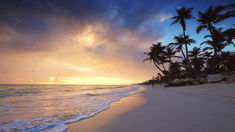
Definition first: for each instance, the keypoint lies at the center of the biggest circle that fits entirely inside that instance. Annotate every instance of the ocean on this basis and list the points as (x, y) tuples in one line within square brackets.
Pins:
[(29, 108)]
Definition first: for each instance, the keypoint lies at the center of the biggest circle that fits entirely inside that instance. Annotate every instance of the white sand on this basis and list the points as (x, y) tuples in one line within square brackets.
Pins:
[(201, 108)]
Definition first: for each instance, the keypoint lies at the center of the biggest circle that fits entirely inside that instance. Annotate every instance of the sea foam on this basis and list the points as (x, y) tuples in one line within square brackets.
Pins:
[(54, 107)]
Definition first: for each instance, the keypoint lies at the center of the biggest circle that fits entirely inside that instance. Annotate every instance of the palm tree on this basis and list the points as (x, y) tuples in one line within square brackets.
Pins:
[(180, 40), (196, 59), (219, 41), (212, 16), (183, 14), (207, 19), (195, 53), (217, 44), (170, 53), (230, 35), (155, 55)]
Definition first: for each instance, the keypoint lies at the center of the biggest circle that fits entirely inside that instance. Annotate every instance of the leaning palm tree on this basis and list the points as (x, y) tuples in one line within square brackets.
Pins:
[(217, 44), (208, 19), (211, 16), (183, 14), (155, 55)]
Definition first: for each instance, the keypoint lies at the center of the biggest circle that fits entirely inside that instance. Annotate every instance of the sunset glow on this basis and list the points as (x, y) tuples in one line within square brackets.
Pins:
[(83, 43)]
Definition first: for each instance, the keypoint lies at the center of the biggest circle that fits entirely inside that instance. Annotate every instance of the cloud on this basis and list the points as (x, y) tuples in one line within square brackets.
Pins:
[(105, 38), (79, 68), (164, 16), (33, 26), (25, 14)]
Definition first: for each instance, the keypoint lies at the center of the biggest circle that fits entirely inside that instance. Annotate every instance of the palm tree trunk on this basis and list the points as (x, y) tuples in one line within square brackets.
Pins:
[(215, 51), (186, 47), (189, 67), (183, 54), (158, 67)]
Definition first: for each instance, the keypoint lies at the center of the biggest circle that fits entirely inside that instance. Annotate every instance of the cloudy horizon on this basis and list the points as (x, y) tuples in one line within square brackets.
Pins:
[(86, 41)]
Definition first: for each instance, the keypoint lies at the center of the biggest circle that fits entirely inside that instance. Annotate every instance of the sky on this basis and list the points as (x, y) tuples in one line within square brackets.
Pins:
[(87, 41)]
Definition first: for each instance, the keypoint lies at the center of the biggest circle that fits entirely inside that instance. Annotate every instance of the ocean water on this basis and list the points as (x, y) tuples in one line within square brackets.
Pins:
[(29, 108)]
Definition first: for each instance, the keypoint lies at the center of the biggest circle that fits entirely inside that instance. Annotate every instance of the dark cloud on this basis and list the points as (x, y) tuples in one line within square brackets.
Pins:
[(31, 16), (47, 17)]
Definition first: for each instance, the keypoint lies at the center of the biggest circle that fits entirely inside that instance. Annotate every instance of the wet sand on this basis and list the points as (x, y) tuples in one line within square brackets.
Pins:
[(200, 108)]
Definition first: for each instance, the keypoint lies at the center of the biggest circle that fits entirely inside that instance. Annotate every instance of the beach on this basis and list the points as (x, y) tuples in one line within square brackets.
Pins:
[(30, 108), (199, 108), (117, 66)]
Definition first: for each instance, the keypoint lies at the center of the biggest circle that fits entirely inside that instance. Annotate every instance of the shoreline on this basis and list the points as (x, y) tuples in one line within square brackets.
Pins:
[(207, 107), (115, 109)]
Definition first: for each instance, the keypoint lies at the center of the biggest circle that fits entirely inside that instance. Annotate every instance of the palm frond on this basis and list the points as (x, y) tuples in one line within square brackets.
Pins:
[(200, 28)]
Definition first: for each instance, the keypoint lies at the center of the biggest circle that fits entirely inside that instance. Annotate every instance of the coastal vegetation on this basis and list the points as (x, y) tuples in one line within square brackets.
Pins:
[(175, 61)]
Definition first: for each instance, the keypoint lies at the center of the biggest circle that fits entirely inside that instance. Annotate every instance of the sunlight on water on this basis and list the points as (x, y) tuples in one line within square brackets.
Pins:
[(40, 107)]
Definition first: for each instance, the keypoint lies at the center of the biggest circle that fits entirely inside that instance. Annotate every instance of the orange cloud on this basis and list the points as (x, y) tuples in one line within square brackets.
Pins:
[(93, 55)]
